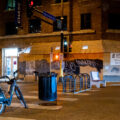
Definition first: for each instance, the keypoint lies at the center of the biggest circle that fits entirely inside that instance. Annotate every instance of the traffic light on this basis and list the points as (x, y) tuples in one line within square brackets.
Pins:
[(30, 5), (70, 46), (65, 44)]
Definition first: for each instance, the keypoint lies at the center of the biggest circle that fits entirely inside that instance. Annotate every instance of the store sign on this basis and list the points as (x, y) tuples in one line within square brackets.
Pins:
[(115, 59), (18, 12)]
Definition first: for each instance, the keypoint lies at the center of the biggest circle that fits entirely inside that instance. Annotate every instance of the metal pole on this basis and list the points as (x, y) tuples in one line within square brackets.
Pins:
[(61, 48), (62, 26)]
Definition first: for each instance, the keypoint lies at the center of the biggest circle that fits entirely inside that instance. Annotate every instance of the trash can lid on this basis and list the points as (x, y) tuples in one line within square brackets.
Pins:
[(48, 74)]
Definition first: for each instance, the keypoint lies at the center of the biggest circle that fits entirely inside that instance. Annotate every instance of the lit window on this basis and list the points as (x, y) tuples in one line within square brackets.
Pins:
[(86, 21), (85, 47), (57, 24), (34, 26), (114, 21), (10, 4)]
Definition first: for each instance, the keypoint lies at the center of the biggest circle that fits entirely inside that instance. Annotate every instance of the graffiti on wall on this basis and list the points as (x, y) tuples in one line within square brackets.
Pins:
[(27, 68), (55, 65), (42, 66), (22, 67), (30, 67), (74, 66)]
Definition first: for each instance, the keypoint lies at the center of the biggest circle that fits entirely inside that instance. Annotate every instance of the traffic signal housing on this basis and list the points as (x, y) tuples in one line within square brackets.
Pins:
[(70, 46), (30, 5), (65, 44)]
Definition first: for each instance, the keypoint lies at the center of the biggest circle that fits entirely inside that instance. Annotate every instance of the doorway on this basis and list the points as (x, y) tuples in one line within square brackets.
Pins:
[(10, 61)]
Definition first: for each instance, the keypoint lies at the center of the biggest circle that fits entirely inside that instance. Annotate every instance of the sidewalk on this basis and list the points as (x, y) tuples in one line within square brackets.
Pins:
[(96, 104)]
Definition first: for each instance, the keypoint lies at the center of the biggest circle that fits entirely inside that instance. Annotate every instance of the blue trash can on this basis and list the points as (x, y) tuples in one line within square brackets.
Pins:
[(48, 87)]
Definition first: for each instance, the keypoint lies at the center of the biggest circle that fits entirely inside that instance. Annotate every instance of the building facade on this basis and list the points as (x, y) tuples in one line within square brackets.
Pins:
[(92, 27)]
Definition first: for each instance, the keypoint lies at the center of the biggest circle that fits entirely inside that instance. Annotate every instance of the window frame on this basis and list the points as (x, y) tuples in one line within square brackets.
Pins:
[(38, 3), (60, 1), (10, 6), (86, 24), (55, 28), (29, 28), (112, 23), (12, 30)]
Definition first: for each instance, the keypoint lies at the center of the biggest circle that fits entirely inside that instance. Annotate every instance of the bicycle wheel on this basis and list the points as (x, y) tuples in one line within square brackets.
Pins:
[(2, 108), (20, 97)]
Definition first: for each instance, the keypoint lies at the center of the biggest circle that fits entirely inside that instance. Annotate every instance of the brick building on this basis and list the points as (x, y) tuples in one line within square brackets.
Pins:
[(92, 26)]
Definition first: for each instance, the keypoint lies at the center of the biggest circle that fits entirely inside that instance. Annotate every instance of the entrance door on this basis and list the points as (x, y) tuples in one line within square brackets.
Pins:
[(11, 65), (9, 60)]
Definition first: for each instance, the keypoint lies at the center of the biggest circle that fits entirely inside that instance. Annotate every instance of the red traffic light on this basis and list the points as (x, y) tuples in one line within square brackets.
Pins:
[(70, 47), (32, 3)]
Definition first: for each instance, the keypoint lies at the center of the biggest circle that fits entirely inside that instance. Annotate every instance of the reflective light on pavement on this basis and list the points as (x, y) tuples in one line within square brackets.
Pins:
[(36, 106), (60, 98), (13, 118)]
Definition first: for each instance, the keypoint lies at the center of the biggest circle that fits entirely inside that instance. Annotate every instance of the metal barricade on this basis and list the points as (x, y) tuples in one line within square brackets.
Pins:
[(76, 84)]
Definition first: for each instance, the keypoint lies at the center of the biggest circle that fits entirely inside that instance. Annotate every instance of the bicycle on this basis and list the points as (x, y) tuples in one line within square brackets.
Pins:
[(13, 88)]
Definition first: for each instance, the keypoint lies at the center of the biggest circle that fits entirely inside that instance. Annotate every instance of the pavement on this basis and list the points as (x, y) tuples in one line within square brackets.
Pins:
[(95, 104)]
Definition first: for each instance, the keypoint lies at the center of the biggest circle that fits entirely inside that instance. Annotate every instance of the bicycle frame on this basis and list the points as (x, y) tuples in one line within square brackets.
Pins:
[(13, 88), (7, 101), (2, 96)]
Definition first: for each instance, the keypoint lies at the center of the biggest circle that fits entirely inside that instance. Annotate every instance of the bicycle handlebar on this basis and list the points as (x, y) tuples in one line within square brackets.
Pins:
[(15, 72), (10, 79), (5, 77)]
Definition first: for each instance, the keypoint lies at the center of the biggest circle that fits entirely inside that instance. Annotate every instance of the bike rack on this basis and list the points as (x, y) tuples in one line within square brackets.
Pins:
[(68, 83), (76, 84)]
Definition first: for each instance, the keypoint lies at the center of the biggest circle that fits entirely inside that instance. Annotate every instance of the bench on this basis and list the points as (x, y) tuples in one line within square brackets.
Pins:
[(95, 79)]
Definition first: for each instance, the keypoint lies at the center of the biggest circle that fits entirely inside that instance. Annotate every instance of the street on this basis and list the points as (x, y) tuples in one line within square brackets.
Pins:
[(95, 104)]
